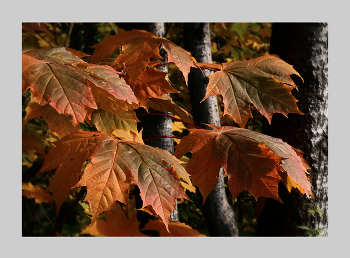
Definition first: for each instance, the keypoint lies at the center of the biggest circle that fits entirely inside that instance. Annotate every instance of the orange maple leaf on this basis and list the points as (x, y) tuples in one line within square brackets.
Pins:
[(68, 156), (176, 228), (264, 82), (117, 224), (36, 192), (250, 159), (51, 82), (138, 48), (151, 83), (115, 164), (56, 122)]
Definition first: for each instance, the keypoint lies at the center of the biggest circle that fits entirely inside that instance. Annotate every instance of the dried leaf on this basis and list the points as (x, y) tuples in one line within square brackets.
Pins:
[(251, 161), (33, 191), (264, 82)]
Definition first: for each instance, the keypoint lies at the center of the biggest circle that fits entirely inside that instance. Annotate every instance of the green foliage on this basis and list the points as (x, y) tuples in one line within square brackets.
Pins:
[(314, 209)]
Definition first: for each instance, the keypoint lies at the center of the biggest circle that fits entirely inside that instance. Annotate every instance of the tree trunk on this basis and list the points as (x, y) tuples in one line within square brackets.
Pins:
[(305, 46), (156, 125), (218, 214)]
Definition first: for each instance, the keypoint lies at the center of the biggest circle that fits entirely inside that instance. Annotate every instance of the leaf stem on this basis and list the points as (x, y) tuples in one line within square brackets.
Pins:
[(63, 219), (210, 69), (163, 136), (172, 117)]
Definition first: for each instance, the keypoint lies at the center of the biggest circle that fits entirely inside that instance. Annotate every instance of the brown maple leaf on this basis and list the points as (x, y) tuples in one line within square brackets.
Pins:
[(108, 121), (176, 228), (117, 164), (51, 82), (166, 104), (56, 122), (114, 165), (138, 48), (117, 224), (36, 192), (251, 161), (264, 82), (68, 156), (151, 83)]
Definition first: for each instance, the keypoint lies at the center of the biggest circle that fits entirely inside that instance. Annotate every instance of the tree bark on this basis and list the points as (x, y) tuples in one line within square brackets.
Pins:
[(305, 46), (156, 125), (219, 216)]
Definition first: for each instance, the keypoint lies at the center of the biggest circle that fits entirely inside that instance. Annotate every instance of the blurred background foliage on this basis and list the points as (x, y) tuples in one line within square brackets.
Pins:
[(229, 42)]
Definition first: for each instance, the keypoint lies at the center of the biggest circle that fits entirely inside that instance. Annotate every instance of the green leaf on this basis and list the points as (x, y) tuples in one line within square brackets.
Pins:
[(304, 227)]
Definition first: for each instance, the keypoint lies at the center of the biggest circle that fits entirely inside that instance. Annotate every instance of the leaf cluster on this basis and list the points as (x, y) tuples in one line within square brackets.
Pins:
[(70, 91)]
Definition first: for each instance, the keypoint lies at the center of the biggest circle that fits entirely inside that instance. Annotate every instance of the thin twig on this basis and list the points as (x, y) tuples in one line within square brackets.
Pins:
[(170, 25), (63, 219), (163, 136), (66, 43)]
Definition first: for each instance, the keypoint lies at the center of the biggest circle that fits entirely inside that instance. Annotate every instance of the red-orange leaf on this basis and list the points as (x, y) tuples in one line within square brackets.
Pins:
[(151, 84), (106, 79), (137, 54), (182, 59), (251, 161), (115, 164), (51, 82), (108, 46), (166, 104), (56, 122), (138, 47), (69, 155), (264, 82), (117, 224), (176, 228)]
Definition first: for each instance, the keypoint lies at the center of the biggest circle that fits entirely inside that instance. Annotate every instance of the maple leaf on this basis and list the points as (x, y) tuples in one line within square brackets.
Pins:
[(51, 82), (128, 135), (251, 161), (56, 122), (117, 224), (110, 45), (264, 82), (138, 47), (151, 83), (29, 142), (34, 191), (35, 26), (166, 104), (107, 121), (116, 164), (176, 228), (107, 81), (182, 59), (69, 155)]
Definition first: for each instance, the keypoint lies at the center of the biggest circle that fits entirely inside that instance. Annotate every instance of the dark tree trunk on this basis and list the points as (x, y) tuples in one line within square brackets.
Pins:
[(305, 46), (155, 125), (218, 214)]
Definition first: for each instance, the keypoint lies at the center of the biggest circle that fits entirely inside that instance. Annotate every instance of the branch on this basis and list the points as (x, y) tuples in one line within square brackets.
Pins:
[(170, 25), (63, 219)]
